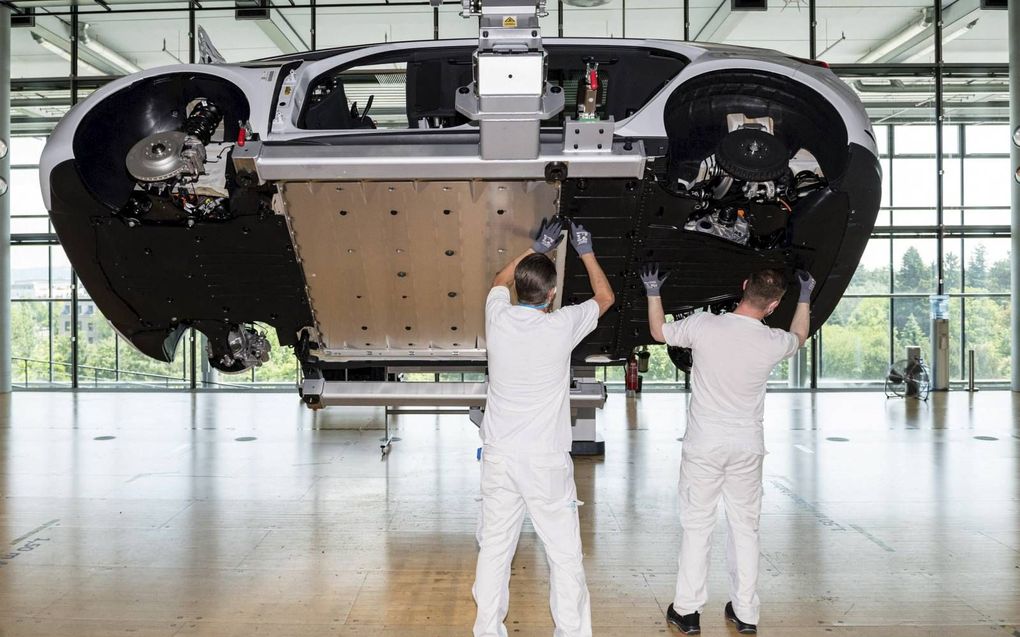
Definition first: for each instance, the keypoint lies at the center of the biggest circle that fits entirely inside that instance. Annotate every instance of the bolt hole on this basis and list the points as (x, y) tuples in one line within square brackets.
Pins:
[(407, 327), (450, 253), (500, 211), (446, 212), (364, 328), (453, 328), (343, 213), (452, 295), (401, 274), (393, 212)]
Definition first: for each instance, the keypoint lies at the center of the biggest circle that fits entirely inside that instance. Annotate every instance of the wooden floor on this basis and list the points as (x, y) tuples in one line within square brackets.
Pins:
[(231, 515)]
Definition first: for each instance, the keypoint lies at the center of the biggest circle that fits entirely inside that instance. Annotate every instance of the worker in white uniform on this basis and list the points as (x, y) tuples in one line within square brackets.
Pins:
[(724, 446), (526, 465)]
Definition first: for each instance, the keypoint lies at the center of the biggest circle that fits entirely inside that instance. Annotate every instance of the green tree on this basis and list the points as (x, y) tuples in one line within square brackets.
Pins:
[(914, 275), (977, 269), (951, 272), (999, 276)]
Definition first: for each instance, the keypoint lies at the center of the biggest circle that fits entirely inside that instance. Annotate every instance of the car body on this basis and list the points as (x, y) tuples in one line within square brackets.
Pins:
[(368, 247)]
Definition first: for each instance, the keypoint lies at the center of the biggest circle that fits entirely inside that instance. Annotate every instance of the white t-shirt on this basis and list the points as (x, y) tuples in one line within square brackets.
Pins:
[(528, 404), (733, 357)]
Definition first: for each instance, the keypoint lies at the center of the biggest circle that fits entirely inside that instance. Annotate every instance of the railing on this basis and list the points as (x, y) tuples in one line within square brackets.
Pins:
[(118, 374)]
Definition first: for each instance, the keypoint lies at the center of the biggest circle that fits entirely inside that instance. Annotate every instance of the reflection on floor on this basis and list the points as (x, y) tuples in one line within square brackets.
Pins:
[(228, 514)]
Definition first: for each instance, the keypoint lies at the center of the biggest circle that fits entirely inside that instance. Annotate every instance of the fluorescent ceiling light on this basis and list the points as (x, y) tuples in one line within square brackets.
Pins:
[(899, 39), (105, 52), (928, 50), (63, 53)]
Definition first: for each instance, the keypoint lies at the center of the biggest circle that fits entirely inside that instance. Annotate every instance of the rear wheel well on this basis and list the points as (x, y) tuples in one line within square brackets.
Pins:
[(695, 118)]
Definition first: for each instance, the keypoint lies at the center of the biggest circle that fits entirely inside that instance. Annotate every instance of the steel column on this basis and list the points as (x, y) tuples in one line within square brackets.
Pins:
[(813, 29), (1014, 120), (75, 353), (5, 200)]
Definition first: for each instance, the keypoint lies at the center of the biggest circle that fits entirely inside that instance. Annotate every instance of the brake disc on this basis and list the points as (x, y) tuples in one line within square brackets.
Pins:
[(158, 157)]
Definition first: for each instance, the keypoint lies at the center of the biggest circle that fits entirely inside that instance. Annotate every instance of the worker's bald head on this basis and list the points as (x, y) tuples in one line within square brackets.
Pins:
[(534, 279), (764, 289)]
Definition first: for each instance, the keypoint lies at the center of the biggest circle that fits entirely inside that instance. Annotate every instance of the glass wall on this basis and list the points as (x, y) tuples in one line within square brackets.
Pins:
[(943, 227)]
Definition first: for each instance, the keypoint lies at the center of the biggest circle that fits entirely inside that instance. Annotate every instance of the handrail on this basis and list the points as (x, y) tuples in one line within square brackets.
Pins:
[(96, 370)]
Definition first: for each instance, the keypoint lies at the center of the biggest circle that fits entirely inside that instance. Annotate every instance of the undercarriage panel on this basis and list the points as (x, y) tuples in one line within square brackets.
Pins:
[(402, 269)]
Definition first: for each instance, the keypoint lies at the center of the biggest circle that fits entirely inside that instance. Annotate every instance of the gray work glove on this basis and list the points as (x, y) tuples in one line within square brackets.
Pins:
[(650, 278), (807, 285), (580, 239), (548, 235)]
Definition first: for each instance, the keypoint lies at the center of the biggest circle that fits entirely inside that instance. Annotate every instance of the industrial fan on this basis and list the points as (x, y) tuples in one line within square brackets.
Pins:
[(908, 377)]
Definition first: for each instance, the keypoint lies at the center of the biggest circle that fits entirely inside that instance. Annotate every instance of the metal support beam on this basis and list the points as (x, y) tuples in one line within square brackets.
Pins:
[(687, 20), (812, 29), (280, 31), (5, 200), (75, 354), (721, 24), (1014, 121)]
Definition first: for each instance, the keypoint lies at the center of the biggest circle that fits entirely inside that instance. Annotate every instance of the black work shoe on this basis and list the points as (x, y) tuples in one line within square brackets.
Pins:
[(687, 624), (742, 627)]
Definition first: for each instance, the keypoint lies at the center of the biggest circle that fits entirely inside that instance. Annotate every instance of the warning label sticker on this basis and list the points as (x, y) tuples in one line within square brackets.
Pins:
[(510, 22)]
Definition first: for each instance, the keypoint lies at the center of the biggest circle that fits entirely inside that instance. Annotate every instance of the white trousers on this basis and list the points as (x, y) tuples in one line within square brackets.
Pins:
[(542, 486), (734, 475)]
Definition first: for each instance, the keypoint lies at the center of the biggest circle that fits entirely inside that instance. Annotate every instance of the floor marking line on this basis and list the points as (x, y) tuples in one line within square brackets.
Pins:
[(804, 449), (34, 531), (880, 543), (823, 519)]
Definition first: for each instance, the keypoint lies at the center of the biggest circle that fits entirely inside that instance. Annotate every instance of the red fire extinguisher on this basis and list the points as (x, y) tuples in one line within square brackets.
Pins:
[(631, 378)]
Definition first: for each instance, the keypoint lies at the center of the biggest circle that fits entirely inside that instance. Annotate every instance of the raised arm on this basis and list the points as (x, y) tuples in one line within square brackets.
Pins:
[(653, 288), (549, 235), (801, 324), (581, 240)]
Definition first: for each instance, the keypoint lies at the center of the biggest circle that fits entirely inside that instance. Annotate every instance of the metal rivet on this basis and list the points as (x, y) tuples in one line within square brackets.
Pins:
[(450, 253), (343, 213), (454, 328), (401, 274), (446, 212), (500, 211), (451, 294), (407, 327), (364, 328)]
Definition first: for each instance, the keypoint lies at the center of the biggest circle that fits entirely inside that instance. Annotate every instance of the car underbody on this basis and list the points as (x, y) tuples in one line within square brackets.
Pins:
[(236, 198)]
